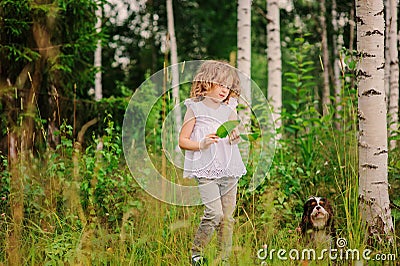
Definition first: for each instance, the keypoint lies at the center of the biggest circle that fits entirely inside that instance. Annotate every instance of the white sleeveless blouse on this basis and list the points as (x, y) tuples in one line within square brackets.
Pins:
[(221, 159)]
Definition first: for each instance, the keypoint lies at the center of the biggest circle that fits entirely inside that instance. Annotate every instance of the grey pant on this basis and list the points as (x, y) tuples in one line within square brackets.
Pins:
[(219, 198)]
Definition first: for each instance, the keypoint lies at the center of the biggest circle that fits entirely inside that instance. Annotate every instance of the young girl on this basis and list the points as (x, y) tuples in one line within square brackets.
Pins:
[(215, 163)]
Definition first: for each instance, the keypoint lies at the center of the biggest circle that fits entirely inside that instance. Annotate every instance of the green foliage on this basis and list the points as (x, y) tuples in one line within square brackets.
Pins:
[(61, 248), (4, 184), (250, 136), (196, 31), (308, 158), (394, 181), (15, 24), (105, 182), (226, 128), (72, 36), (131, 228), (300, 115)]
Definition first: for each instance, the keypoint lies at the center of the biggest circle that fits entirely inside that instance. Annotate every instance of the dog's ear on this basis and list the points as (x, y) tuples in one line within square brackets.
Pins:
[(328, 208), (330, 222), (305, 219)]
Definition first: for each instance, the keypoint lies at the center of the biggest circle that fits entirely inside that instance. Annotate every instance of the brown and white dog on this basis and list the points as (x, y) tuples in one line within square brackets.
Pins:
[(317, 223)]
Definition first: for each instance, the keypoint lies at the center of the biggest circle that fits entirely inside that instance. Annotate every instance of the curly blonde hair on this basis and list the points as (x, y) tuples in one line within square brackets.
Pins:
[(213, 73)]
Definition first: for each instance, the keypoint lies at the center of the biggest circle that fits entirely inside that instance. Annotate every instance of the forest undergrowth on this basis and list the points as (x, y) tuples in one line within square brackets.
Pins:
[(81, 205), (105, 218)]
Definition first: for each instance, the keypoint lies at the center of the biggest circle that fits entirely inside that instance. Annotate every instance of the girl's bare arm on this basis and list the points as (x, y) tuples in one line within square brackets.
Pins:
[(184, 137)]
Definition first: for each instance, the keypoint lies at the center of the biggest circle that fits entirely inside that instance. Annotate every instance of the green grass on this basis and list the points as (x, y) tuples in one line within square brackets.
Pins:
[(129, 227), (161, 234)]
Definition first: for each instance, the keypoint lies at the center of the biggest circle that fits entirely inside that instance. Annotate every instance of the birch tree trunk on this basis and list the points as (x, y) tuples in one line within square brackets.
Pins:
[(394, 72), (274, 61), (175, 70), (337, 66), (352, 25), (387, 57), (244, 55), (326, 101), (98, 91), (372, 147)]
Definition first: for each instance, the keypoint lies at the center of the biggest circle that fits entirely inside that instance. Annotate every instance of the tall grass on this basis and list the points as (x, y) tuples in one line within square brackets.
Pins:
[(155, 233), (102, 217)]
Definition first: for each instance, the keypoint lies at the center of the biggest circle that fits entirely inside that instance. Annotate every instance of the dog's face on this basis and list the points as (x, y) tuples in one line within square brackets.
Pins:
[(317, 223), (317, 212)]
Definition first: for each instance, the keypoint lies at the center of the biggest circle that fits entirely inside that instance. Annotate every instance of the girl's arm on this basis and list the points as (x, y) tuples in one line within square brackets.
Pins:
[(184, 137)]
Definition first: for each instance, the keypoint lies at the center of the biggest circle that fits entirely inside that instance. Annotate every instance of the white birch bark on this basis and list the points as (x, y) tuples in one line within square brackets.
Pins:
[(244, 55), (337, 65), (352, 24), (387, 57), (175, 71), (274, 61), (98, 90), (394, 73), (372, 147), (326, 101)]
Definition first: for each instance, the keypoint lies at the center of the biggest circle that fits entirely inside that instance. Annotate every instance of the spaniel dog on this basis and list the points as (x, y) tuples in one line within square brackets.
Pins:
[(317, 224)]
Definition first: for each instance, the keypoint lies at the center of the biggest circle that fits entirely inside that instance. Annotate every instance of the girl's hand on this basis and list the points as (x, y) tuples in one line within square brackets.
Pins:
[(234, 137), (205, 143)]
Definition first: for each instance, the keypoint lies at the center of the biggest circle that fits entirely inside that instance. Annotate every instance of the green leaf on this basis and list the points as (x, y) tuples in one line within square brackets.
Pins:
[(226, 128), (352, 65), (250, 137)]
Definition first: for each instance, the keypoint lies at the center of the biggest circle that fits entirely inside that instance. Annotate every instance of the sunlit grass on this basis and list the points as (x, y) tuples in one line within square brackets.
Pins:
[(141, 230), (161, 234)]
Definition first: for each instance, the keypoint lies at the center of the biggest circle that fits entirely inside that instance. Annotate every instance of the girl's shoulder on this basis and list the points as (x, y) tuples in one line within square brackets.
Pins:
[(198, 107), (232, 103), (191, 102)]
